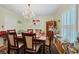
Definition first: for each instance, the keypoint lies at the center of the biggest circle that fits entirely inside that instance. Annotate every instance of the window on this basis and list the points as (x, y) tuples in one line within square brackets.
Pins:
[(68, 28)]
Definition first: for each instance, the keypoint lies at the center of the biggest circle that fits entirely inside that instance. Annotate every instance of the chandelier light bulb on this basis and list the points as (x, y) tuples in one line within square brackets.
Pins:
[(28, 13)]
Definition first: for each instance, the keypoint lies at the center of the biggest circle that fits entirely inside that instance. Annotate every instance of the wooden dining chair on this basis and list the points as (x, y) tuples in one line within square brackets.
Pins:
[(30, 30), (49, 41), (13, 43), (29, 46), (11, 30)]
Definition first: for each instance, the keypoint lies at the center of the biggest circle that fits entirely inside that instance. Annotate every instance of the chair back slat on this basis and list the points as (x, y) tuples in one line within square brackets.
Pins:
[(28, 39), (11, 38), (29, 42)]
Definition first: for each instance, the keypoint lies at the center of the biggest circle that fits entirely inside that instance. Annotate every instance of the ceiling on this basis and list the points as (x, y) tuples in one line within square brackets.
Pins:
[(38, 9)]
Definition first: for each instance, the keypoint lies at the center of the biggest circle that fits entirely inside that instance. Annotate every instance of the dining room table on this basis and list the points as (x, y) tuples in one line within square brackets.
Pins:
[(19, 38), (40, 39)]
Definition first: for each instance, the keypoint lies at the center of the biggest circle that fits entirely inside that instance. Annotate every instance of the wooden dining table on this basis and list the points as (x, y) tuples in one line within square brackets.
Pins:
[(40, 39)]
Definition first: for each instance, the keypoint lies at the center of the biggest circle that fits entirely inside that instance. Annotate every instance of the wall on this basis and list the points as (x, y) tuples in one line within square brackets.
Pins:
[(43, 19), (28, 23), (8, 19), (11, 20), (60, 11)]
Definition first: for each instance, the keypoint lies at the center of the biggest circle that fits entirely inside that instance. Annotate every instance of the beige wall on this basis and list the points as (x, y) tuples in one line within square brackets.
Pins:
[(6, 15), (60, 11), (40, 25), (25, 23)]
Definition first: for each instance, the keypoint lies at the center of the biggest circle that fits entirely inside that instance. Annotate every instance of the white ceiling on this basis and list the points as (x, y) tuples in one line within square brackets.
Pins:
[(38, 9)]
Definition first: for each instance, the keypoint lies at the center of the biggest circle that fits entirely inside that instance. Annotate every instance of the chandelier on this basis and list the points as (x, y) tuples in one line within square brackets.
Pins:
[(28, 13)]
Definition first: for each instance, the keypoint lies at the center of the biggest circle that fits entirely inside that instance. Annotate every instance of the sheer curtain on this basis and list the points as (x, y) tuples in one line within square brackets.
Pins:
[(68, 28)]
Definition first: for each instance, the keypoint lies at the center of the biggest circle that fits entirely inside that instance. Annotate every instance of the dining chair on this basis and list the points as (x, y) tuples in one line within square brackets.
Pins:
[(11, 30), (30, 30), (13, 43), (49, 41), (29, 46)]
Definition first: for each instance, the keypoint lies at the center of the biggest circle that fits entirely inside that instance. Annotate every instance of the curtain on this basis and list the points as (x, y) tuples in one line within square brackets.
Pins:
[(68, 25)]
